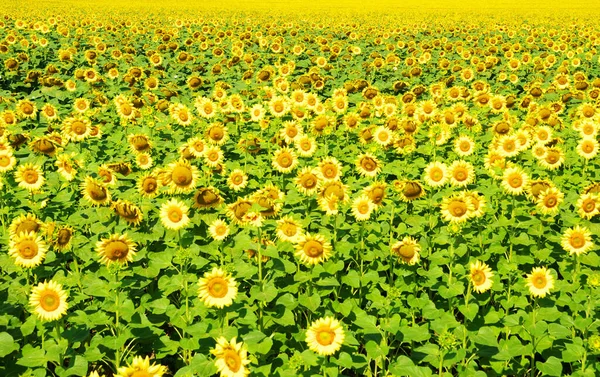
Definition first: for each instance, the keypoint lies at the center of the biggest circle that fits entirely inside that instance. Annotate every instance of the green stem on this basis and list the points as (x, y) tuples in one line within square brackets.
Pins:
[(117, 304), (533, 340), (260, 280), (441, 366), (58, 339)]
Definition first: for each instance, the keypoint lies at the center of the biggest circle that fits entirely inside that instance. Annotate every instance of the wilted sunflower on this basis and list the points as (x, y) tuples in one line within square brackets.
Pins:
[(269, 199), (118, 248), (174, 214), (207, 197), (141, 366), (481, 276), (30, 177), (64, 236), (408, 250), (325, 336), (28, 249), (456, 208), (588, 205), (148, 185), (237, 210), (217, 288), (577, 240), (313, 249), (284, 160), (232, 358), (368, 165), (218, 230), (95, 192), (540, 282), (24, 223), (44, 145), (49, 301), (334, 189), (536, 187), (139, 143), (128, 211), (436, 174), (107, 176), (409, 190)]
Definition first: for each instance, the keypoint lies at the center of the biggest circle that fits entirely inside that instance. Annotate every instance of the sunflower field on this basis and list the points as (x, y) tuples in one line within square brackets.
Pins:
[(278, 190)]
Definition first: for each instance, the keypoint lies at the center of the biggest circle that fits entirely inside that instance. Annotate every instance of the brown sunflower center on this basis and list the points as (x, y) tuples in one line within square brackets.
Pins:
[(182, 175), (78, 127), (64, 236), (233, 360), (478, 277), (457, 209), (285, 160), (116, 250), (30, 176), (368, 164), (97, 192), (27, 108), (4, 161), (407, 251), (28, 249), (308, 181), (27, 226), (175, 214), (589, 205), (550, 201), (412, 190)]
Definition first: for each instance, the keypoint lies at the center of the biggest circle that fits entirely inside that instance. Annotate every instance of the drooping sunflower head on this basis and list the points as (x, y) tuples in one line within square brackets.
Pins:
[(410, 190), (376, 192), (368, 165), (25, 223), (139, 142), (237, 210), (128, 211), (95, 192), (207, 197)]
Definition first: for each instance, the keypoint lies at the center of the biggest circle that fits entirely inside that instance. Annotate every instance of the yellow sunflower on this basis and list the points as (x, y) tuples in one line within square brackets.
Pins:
[(368, 165), (577, 240), (305, 145), (217, 288), (213, 156), (140, 366), (49, 301), (65, 167), (284, 160), (540, 282), (514, 180), (436, 174), (313, 249), (148, 185), (549, 200), (237, 180), (461, 173), (481, 276), (7, 161), (408, 250), (307, 181), (28, 249), (182, 177), (232, 358), (219, 230), (117, 248), (553, 159), (30, 177), (325, 336), (289, 229), (329, 169), (456, 209), (24, 223), (587, 148), (174, 214), (362, 208), (464, 146), (588, 205)]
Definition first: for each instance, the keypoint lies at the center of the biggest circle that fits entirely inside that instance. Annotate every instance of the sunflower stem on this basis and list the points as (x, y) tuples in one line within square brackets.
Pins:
[(441, 366), (467, 298), (577, 266), (184, 268), (58, 339), (392, 257), (533, 340), (118, 350), (260, 280)]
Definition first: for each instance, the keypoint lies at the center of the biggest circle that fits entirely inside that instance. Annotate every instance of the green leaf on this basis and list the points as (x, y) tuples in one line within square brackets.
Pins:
[(32, 357), (552, 367), (7, 344), (310, 302)]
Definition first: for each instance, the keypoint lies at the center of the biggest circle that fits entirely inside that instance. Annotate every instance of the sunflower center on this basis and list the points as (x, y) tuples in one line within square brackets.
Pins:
[(26, 108), (516, 181), (291, 132), (116, 250), (305, 145), (64, 236), (436, 175), (233, 360), (183, 116), (589, 205), (289, 229), (539, 281), (509, 146), (407, 251), (278, 107), (465, 146), (588, 147), (175, 215), (325, 336), (577, 241), (217, 287), (285, 160), (363, 208), (329, 172), (368, 164), (4, 161), (550, 202), (30, 176), (28, 249), (309, 181), (78, 127), (182, 175), (149, 185), (458, 209), (216, 133), (460, 175), (478, 277), (313, 248), (97, 192), (238, 179), (49, 301), (552, 157)]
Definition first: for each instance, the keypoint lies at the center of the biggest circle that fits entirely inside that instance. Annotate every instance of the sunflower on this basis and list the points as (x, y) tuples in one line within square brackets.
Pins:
[(107, 175), (25, 223), (139, 143), (196, 146), (95, 192), (408, 250), (325, 336), (7, 161), (26, 109), (77, 128), (587, 148), (128, 211), (307, 181), (148, 185), (49, 301), (464, 146), (232, 358), (279, 106), (207, 197), (376, 193), (553, 159), (219, 230), (514, 180), (174, 214), (182, 176), (549, 200), (334, 189), (481, 276), (540, 282), (329, 169), (29, 177), (237, 180), (237, 210), (291, 132), (313, 249), (213, 156), (217, 133), (436, 174), (456, 209), (116, 249), (63, 239), (289, 229), (362, 208), (461, 173), (284, 160), (181, 114), (409, 190), (217, 288), (269, 199), (143, 161), (507, 146), (577, 240), (305, 145), (588, 205), (368, 165), (141, 367), (478, 201), (383, 136), (28, 249)]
